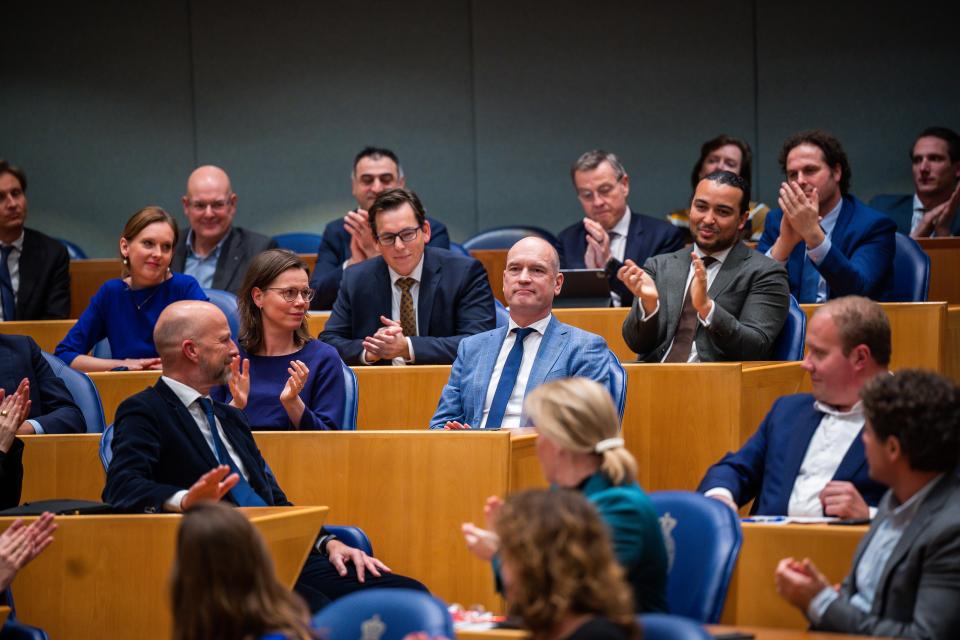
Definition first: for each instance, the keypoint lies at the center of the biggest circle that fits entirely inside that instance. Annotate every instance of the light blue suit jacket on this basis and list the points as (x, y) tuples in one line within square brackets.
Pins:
[(564, 351)]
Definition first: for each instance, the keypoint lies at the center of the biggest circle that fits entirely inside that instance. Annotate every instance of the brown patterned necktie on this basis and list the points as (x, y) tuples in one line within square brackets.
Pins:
[(687, 327), (408, 315)]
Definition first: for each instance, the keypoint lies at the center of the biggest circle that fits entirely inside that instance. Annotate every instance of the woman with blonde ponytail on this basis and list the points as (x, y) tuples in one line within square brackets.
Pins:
[(580, 448)]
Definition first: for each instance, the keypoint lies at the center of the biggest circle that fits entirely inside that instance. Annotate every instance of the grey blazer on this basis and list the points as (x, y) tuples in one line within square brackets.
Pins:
[(919, 591), (239, 248), (751, 297)]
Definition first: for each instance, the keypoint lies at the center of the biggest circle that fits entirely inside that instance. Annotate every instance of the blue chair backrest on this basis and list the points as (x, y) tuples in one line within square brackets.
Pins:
[(911, 272), (458, 248), (662, 626), (226, 302), (503, 316), (102, 350), (392, 613), (351, 401), (106, 452), (73, 250), (618, 383), (703, 540), (789, 344), (352, 536), (300, 242), (84, 392), (505, 237)]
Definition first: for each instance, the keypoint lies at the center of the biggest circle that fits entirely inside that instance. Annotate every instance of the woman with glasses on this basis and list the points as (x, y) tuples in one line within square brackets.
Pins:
[(295, 382), (125, 309), (580, 448)]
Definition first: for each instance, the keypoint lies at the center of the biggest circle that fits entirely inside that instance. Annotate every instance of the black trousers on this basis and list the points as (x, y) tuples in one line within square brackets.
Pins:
[(319, 583)]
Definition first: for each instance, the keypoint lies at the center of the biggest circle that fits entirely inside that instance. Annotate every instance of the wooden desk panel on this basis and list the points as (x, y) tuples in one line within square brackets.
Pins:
[(62, 466), (605, 322), (116, 386), (86, 277), (752, 598), (47, 333), (759, 633), (409, 491), (112, 572), (316, 321), (494, 261), (918, 332), (944, 268), (952, 357), (399, 397)]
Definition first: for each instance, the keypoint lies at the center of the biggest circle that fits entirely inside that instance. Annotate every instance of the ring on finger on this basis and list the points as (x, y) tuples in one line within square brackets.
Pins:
[(4, 413)]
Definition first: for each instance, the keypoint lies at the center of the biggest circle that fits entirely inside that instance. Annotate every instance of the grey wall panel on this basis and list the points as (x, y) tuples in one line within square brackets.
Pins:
[(634, 78), (96, 109)]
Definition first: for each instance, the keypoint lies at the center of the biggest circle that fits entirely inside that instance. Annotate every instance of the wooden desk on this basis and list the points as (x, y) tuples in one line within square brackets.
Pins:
[(752, 598), (605, 322), (310, 259), (410, 492), (116, 386), (494, 261), (759, 633), (316, 321), (86, 277), (4, 614), (952, 366), (62, 466), (46, 333), (918, 332), (944, 268), (110, 574)]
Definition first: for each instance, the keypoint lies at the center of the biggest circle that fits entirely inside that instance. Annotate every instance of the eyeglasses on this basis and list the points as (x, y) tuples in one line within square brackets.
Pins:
[(290, 293), (406, 235), (217, 205)]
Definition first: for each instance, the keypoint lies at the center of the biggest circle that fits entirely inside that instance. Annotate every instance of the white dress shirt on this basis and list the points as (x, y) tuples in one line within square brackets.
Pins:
[(13, 266), (395, 296), (618, 247), (190, 397), (712, 272), (829, 444), (817, 254), (511, 417)]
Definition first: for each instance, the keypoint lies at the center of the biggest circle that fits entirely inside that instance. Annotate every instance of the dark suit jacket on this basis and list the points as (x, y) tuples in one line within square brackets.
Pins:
[(860, 261), (646, 237), (455, 301), (334, 250), (51, 403), (158, 450), (900, 210), (765, 468), (918, 595), (751, 304), (44, 291), (239, 248)]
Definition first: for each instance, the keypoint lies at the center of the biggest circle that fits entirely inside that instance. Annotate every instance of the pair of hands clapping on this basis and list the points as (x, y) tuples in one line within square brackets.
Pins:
[(239, 384), (642, 285)]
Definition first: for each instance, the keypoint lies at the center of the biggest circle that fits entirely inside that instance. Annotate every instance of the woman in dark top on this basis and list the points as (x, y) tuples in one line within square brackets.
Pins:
[(559, 574), (223, 584), (296, 382), (124, 310)]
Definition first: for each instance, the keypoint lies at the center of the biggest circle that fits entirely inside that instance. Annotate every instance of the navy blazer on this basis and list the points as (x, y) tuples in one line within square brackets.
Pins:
[(52, 404), (646, 237), (158, 450), (334, 250), (44, 290), (900, 210), (765, 468), (860, 261), (454, 302)]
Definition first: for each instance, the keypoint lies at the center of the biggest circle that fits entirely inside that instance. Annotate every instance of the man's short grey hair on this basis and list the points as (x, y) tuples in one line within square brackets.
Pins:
[(592, 159)]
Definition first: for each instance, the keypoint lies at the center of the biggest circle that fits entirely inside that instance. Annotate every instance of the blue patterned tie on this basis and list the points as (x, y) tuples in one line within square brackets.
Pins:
[(6, 286), (243, 494), (809, 282), (508, 380)]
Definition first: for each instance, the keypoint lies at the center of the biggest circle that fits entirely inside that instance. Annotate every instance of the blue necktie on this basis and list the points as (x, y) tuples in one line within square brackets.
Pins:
[(243, 494), (6, 286), (508, 380), (809, 282)]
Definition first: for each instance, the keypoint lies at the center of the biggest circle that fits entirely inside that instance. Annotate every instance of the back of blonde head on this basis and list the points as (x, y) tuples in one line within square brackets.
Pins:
[(576, 414)]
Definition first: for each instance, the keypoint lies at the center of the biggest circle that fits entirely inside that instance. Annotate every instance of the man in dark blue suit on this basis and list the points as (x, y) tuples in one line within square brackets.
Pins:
[(831, 243), (348, 241), (807, 457), (610, 233), (174, 446), (24, 370), (932, 209), (412, 303)]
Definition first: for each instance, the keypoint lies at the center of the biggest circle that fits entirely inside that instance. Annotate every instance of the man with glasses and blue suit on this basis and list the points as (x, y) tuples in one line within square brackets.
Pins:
[(412, 304)]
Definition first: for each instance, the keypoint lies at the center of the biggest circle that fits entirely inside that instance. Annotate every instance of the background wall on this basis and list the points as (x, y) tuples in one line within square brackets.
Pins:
[(108, 106)]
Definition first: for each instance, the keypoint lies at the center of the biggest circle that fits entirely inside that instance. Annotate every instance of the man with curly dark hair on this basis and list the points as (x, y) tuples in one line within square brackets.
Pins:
[(831, 243), (905, 580)]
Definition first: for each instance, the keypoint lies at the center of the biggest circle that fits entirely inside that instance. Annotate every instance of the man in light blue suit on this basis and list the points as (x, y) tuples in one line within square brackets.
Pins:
[(495, 370)]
